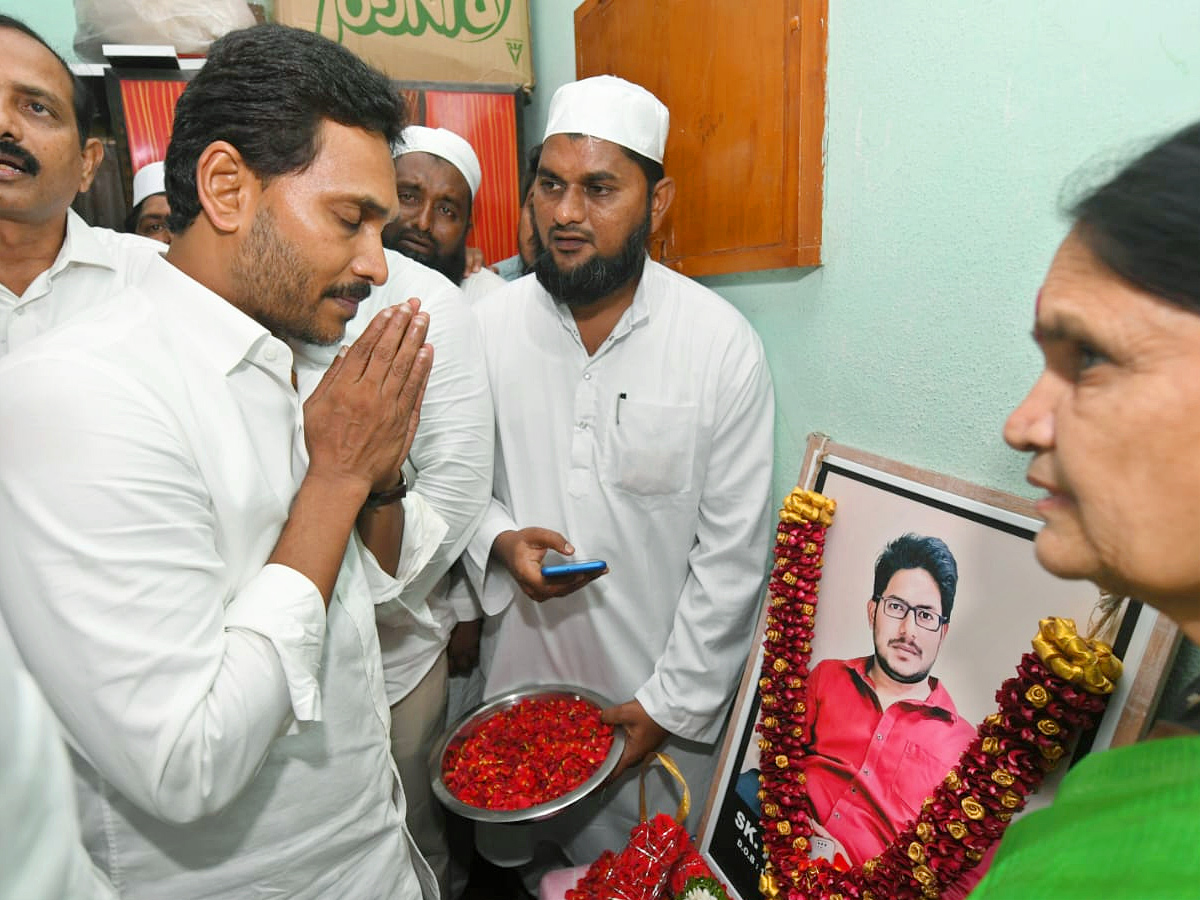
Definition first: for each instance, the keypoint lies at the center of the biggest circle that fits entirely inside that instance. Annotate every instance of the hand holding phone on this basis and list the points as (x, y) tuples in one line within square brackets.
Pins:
[(581, 567)]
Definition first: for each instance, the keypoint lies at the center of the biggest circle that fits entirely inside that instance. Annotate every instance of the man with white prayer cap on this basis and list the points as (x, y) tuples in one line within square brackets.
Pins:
[(437, 178), (634, 420), (150, 208)]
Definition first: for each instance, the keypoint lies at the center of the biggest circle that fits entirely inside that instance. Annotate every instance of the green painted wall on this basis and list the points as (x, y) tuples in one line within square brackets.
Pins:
[(951, 130), (54, 20)]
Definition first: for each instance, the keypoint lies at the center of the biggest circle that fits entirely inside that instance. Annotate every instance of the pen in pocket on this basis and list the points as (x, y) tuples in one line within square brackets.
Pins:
[(621, 396)]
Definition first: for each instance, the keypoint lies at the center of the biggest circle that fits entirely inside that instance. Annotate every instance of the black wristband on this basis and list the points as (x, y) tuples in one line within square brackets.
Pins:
[(376, 499)]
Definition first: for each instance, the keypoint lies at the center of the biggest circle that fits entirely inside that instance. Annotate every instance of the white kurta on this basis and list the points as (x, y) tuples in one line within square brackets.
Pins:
[(229, 735), (655, 455), (479, 284), (92, 265), (449, 466)]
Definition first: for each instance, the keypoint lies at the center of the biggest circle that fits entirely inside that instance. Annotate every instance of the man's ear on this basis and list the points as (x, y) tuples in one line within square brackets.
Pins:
[(226, 187), (661, 199), (872, 608), (93, 155)]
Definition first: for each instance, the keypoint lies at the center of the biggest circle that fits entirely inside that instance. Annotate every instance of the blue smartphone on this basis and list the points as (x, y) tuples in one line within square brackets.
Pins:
[(562, 570)]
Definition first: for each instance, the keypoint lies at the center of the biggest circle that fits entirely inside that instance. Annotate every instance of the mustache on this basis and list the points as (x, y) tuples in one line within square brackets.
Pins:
[(354, 290), (27, 160), (555, 230), (911, 648)]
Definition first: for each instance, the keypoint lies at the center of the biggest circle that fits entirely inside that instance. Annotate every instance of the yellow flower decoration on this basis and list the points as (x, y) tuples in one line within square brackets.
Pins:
[(924, 875), (767, 886), (1088, 664), (1053, 751)]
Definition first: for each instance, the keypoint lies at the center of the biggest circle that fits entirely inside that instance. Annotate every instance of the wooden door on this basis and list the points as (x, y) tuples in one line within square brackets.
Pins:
[(745, 84)]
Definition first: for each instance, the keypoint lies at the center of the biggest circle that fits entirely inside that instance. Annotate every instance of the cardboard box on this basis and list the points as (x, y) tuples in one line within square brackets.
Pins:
[(426, 40)]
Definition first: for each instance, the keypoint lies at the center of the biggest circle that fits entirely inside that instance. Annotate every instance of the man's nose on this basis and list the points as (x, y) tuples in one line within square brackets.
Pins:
[(370, 263), (570, 207), (424, 220), (10, 122)]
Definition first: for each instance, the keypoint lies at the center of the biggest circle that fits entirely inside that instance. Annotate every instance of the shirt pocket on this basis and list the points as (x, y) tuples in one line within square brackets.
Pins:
[(919, 773), (652, 448)]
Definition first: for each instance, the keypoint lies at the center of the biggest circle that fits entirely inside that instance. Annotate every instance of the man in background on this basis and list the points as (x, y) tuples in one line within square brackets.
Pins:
[(883, 731), (52, 265), (634, 418), (522, 262), (437, 178), (150, 208)]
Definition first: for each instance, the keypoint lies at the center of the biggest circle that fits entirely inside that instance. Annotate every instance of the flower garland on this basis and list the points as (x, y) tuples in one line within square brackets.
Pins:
[(1058, 691)]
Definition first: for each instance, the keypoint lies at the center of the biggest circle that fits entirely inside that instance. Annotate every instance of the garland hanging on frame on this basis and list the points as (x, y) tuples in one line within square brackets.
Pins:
[(1059, 691)]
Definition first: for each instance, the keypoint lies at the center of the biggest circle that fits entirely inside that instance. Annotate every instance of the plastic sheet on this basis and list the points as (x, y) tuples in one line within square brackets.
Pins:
[(187, 25)]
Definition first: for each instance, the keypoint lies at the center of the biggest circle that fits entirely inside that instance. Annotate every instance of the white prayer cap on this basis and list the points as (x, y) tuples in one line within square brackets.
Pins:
[(147, 180), (443, 143), (613, 109)]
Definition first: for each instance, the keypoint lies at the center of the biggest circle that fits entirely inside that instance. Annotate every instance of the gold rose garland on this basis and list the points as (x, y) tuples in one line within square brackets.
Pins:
[(1058, 692)]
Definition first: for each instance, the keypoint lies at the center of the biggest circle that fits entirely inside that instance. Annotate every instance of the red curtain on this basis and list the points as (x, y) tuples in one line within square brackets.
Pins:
[(489, 123), (149, 113)]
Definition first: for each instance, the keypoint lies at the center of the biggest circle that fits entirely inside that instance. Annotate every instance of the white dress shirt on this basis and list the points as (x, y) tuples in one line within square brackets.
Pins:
[(41, 853), (229, 735), (92, 265), (655, 455), (449, 466)]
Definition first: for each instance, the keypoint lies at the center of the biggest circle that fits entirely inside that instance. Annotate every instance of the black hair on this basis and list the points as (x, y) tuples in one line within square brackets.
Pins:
[(653, 171), (1144, 223), (81, 97), (530, 174), (914, 551), (266, 90), (131, 219)]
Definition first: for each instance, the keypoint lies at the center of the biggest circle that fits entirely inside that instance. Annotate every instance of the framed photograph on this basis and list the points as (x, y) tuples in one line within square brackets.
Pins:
[(929, 596)]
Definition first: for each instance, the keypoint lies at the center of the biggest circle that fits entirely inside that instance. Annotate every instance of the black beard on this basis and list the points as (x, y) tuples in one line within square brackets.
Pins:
[(451, 264), (599, 276), (896, 676)]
